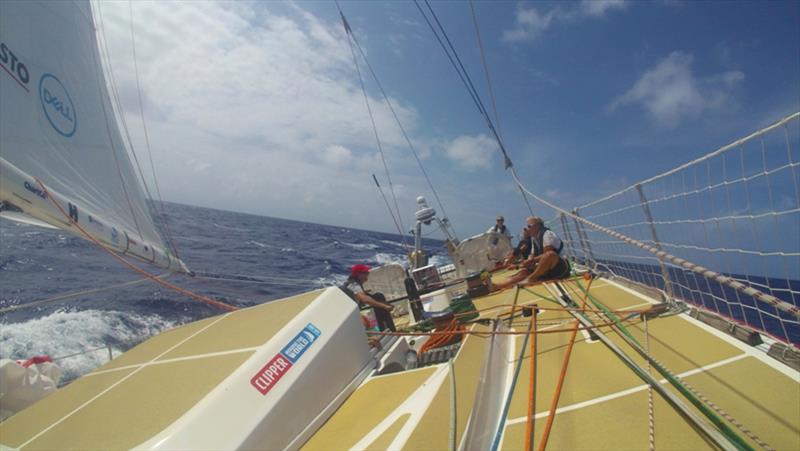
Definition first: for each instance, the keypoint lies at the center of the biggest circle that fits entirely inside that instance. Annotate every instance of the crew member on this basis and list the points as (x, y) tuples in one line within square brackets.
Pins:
[(354, 287), (545, 261), (500, 227)]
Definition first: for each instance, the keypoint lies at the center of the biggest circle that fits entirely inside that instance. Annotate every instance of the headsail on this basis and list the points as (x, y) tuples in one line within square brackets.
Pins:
[(59, 139)]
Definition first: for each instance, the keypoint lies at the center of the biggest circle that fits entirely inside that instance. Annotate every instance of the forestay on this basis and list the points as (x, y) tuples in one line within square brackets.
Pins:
[(59, 128)]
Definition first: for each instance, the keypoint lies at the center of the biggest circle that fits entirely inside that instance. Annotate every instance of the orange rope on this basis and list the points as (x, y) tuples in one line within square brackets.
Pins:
[(562, 376), (130, 265), (531, 388), (441, 338)]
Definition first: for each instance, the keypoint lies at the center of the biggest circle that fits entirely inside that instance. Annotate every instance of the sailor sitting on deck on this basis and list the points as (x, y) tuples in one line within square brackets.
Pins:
[(545, 261), (354, 287)]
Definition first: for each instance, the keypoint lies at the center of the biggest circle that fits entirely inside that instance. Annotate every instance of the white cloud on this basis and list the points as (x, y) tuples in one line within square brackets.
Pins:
[(338, 155), (251, 109), (599, 7), (472, 152), (670, 92), (530, 22)]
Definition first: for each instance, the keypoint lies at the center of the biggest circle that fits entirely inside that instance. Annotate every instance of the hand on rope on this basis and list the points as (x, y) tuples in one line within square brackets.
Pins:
[(130, 265)]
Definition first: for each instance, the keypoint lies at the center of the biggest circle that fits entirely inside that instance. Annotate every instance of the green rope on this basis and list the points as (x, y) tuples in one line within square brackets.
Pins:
[(729, 433)]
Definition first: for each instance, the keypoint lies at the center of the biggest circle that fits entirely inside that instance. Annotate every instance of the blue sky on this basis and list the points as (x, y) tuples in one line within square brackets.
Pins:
[(256, 107)]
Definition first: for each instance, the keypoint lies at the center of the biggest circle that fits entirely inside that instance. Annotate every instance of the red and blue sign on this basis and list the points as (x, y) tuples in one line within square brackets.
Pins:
[(278, 366)]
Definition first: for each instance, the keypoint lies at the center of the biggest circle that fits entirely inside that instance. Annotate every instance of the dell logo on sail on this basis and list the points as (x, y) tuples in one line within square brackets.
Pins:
[(57, 105)]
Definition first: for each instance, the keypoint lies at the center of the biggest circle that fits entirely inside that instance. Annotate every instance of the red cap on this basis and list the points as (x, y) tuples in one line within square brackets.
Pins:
[(358, 269)]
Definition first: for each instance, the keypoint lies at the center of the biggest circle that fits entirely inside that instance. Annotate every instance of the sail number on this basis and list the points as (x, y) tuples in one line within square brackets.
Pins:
[(13, 65)]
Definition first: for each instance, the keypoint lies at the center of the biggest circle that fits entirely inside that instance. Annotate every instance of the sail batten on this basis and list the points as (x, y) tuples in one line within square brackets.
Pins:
[(58, 126)]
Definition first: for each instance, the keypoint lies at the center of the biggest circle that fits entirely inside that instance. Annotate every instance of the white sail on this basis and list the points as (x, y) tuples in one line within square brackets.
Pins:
[(57, 127)]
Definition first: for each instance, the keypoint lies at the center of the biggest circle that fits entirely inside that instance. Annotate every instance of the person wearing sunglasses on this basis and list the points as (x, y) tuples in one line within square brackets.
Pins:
[(545, 261)]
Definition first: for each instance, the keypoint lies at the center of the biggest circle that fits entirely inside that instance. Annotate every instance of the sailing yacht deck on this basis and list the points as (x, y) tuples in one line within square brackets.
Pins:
[(603, 404), (133, 397)]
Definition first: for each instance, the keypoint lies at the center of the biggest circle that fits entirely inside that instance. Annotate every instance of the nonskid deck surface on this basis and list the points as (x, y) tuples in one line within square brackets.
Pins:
[(603, 404), (117, 407)]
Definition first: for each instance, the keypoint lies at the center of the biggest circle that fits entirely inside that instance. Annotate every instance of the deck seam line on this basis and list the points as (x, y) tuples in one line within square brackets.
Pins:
[(628, 391), (749, 350), (175, 359), (114, 385)]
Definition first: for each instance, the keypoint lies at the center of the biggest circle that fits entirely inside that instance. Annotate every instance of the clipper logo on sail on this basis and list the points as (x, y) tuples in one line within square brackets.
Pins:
[(57, 105), (278, 366)]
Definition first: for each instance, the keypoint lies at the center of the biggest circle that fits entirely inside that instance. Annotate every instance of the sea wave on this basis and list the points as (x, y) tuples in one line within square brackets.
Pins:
[(283, 258), (89, 334), (359, 246)]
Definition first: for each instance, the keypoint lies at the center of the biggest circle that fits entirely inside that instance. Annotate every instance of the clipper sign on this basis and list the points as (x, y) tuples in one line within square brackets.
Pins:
[(278, 366)]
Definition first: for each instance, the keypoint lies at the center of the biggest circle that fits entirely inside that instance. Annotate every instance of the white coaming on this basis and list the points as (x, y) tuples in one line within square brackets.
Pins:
[(251, 420)]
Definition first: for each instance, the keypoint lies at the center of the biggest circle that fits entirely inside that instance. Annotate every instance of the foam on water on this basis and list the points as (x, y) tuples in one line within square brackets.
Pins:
[(359, 246), (383, 258), (64, 333), (393, 243), (254, 259)]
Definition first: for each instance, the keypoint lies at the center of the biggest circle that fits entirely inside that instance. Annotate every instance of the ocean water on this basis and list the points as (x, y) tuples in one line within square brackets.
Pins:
[(240, 259)]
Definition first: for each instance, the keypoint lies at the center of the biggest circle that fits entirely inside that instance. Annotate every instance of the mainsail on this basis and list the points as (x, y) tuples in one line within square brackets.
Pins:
[(60, 145)]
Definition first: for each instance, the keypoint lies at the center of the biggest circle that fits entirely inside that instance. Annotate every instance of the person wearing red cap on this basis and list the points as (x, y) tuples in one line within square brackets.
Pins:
[(354, 287)]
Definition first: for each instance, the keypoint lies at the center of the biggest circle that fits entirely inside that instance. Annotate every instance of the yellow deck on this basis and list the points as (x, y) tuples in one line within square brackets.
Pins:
[(130, 399), (603, 404)]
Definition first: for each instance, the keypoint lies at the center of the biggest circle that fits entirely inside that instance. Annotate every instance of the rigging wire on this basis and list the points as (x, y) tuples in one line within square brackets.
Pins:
[(101, 89), (391, 213), (267, 280), (463, 75), (112, 81), (350, 40), (485, 66), (455, 61), (130, 265), (410, 144), (491, 91), (167, 230), (747, 289), (78, 293)]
